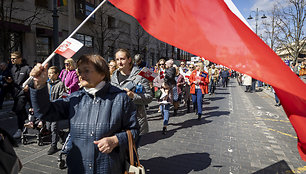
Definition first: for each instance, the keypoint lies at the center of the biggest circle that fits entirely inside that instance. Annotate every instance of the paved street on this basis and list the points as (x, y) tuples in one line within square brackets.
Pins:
[(238, 133)]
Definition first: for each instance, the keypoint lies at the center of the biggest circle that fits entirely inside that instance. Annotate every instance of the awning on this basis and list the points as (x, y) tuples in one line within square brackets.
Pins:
[(15, 27)]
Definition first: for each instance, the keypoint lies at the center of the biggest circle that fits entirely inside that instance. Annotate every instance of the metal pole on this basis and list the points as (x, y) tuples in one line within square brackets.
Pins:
[(53, 53), (256, 19), (55, 31)]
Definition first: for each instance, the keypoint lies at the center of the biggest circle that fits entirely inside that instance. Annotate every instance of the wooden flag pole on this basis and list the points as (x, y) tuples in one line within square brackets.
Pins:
[(75, 30)]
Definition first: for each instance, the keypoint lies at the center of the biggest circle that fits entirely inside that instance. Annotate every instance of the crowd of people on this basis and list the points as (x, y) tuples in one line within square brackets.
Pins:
[(101, 100)]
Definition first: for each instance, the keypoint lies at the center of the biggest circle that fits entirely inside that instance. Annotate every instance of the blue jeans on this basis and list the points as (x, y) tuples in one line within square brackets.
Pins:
[(165, 113), (253, 86), (197, 100), (212, 86), (276, 99)]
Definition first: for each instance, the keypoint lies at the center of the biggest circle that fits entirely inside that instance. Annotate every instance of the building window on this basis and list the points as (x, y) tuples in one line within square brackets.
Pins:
[(124, 27), (85, 39), (41, 3), (43, 48), (111, 22), (84, 8)]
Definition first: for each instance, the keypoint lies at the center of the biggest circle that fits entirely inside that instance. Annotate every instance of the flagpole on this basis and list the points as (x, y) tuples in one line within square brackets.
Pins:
[(75, 30)]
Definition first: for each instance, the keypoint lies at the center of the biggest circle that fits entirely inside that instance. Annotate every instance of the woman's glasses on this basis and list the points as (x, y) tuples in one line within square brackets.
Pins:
[(66, 64)]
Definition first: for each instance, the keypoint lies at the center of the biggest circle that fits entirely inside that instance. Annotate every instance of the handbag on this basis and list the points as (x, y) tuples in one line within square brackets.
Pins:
[(131, 166), (158, 94), (9, 162)]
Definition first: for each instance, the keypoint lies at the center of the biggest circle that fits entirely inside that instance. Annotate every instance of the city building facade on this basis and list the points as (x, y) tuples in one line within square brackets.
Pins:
[(27, 26)]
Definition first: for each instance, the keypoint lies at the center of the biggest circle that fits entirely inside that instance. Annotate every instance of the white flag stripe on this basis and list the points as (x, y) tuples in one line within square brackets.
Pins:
[(235, 10), (76, 45)]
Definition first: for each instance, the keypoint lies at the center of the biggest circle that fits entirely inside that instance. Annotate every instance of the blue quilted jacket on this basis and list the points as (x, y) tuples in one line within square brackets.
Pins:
[(110, 112)]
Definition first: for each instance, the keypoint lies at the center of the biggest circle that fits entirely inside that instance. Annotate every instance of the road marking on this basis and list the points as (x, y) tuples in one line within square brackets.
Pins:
[(282, 133), (269, 119), (299, 170)]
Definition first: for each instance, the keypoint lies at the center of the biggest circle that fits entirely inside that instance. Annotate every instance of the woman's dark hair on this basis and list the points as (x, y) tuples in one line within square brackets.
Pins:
[(170, 76), (99, 63)]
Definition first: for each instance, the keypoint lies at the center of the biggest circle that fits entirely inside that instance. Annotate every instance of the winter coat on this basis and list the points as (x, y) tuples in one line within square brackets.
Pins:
[(70, 79), (180, 82), (246, 80), (158, 81), (20, 73), (107, 113), (203, 83), (140, 99), (213, 75), (225, 74), (56, 89), (170, 74)]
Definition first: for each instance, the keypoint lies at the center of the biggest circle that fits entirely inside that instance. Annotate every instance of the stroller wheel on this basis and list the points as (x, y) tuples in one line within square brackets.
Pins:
[(40, 143), (61, 164), (24, 141)]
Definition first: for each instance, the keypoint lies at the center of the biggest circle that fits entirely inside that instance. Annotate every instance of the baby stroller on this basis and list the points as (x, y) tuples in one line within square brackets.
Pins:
[(64, 151), (35, 128)]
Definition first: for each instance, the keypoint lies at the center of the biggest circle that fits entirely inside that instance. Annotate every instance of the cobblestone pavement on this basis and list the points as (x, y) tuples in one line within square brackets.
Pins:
[(238, 133)]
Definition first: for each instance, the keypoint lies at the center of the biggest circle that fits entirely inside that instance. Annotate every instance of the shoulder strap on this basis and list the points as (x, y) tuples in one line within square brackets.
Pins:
[(130, 141), (132, 150)]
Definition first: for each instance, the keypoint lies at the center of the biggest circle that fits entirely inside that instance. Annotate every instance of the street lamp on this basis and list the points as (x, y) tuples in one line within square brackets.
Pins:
[(256, 18)]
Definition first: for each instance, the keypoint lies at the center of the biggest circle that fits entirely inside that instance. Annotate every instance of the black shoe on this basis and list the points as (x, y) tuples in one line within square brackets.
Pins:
[(164, 130), (199, 116), (52, 150), (175, 112)]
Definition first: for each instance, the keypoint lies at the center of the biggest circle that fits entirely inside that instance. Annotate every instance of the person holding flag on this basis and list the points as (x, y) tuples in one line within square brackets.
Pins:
[(198, 87), (137, 87), (99, 115)]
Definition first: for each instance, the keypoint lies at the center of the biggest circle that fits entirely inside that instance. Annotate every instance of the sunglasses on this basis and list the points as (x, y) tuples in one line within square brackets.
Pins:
[(66, 64), (13, 58), (162, 64)]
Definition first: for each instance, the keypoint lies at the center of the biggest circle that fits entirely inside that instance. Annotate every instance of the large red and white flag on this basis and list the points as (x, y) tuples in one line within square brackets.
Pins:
[(212, 30), (69, 47), (147, 73)]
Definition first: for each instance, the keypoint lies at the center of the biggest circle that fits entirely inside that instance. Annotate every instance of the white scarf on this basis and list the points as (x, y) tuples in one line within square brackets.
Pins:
[(93, 91)]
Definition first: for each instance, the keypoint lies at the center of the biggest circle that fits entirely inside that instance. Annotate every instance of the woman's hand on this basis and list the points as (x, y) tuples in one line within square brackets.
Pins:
[(129, 93), (40, 74), (107, 144)]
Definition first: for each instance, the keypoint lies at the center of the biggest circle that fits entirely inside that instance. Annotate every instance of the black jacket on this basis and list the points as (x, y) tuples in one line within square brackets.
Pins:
[(20, 73)]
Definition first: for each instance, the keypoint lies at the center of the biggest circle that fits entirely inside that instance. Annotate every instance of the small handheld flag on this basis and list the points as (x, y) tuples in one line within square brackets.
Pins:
[(69, 47), (147, 73)]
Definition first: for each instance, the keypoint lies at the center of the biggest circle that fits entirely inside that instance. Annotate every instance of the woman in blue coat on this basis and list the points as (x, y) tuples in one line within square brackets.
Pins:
[(99, 114)]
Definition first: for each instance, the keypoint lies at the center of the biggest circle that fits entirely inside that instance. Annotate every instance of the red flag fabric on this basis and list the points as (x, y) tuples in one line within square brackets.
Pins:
[(147, 73), (210, 29), (69, 47)]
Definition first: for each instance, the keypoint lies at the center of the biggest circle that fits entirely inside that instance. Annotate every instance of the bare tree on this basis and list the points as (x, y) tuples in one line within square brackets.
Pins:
[(10, 40), (141, 40), (291, 23), (271, 29), (106, 32)]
